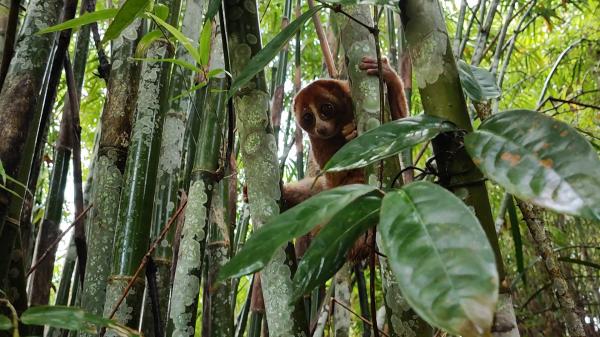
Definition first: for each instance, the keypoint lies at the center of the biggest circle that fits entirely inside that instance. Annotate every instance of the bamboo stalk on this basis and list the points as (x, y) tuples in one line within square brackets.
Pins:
[(258, 147), (132, 232), (109, 167), (204, 175)]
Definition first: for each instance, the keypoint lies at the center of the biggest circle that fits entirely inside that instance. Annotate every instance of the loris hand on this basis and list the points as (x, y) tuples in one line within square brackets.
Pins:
[(370, 66), (349, 131)]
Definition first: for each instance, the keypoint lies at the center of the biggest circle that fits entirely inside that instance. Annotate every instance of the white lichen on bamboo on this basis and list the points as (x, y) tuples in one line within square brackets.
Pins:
[(429, 50), (403, 321), (30, 51), (187, 274), (342, 293), (125, 314)]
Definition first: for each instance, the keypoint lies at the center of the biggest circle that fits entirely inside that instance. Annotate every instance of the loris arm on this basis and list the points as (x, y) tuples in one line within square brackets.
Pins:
[(395, 87), (296, 192)]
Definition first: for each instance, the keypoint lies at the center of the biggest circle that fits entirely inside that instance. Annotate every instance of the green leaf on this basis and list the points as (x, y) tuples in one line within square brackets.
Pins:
[(2, 173), (478, 83), (386, 140), (487, 83), (130, 11), (265, 55), (327, 251), (190, 90), (82, 20), (161, 11), (204, 47), (295, 222), (72, 318), (5, 323), (213, 8), (185, 42), (540, 160), (178, 62), (146, 42), (441, 258)]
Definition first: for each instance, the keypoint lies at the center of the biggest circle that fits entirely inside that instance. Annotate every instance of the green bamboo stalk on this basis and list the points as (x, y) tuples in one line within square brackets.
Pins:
[(19, 93), (184, 301), (442, 96), (132, 233), (109, 166), (171, 157), (217, 301), (258, 147), (50, 230)]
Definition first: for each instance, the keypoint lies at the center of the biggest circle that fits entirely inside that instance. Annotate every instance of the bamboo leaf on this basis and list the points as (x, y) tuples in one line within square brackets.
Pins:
[(178, 62), (146, 41), (441, 258), (295, 222), (204, 47), (130, 11), (161, 11), (190, 90), (385, 141), (185, 42), (5, 323), (213, 8), (327, 251), (265, 55), (71, 318), (82, 20), (539, 159), (478, 83)]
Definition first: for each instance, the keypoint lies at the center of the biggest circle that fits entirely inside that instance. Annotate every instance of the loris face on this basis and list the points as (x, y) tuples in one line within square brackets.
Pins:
[(323, 108)]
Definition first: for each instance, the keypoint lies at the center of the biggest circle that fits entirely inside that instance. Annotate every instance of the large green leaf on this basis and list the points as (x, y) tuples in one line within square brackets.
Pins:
[(327, 251), (386, 140), (72, 318), (130, 11), (441, 258), (265, 55), (5, 323), (478, 83), (295, 222), (540, 160), (82, 20)]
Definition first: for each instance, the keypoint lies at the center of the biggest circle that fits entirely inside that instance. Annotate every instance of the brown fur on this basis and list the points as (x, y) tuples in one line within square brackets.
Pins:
[(324, 109)]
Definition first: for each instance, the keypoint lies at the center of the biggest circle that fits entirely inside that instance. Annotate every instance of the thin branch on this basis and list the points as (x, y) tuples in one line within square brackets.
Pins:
[(333, 299), (55, 242), (323, 43)]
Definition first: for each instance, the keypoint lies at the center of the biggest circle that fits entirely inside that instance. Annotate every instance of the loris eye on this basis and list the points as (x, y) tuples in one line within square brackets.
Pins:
[(308, 119), (327, 110)]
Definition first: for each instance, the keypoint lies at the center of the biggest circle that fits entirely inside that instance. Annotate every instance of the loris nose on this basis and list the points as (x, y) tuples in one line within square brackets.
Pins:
[(322, 131)]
